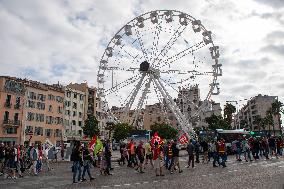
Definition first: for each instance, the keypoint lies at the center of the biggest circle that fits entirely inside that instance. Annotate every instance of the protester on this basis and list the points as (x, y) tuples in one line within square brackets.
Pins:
[(76, 157), (157, 157), (190, 151), (86, 163)]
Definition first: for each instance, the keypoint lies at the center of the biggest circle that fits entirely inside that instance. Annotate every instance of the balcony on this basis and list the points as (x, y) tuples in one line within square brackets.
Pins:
[(7, 105), (17, 106), (17, 123), (7, 122)]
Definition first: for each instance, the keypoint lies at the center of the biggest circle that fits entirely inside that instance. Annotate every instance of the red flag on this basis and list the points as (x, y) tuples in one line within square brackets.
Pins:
[(183, 139), (92, 144), (156, 138)]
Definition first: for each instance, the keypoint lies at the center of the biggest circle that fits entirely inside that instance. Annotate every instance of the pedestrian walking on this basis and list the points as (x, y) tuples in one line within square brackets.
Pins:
[(157, 158), (190, 151), (76, 157), (87, 159), (175, 160)]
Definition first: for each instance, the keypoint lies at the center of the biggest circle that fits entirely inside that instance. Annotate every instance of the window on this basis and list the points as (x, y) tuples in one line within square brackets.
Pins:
[(41, 97), (30, 116), (51, 97), (80, 114), (40, 117), (75, 95), (68, 94), (16, 117), (49, 119), (11, 130), (48, 132), (74, 113), (81, 97), (74, 105), (57, 133), (8, 101), (18, 102), (31, 104), (67, 112), (38, 131), (50, 108), (29, 129), (80, 132), (40, 105), (59, 99), (6, 116), (73, 122), (80, 123), (60, 109), (32, 95)]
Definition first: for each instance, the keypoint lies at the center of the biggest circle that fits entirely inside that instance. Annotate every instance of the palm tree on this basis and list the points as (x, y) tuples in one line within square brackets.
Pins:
[(228, 112), (276, 108), (269, 119)]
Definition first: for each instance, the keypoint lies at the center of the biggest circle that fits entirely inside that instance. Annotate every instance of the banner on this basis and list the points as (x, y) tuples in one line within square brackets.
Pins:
[(183, 139), (92, 144), (156, 138)]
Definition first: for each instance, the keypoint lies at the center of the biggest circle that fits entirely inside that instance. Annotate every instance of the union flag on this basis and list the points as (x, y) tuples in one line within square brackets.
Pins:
[(156, 138), (92, 144), (183, 139)]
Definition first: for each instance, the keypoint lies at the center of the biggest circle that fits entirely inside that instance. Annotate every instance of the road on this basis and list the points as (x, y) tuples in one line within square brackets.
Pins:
[(261, 174)]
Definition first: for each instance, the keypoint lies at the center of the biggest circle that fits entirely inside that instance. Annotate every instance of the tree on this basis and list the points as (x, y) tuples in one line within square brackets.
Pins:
[(164, 130), (228, 113), (91, 128), (277, 108), (269, 119), (110, 126), (258, 121), (216, 122), (121, 131), (243, 124)]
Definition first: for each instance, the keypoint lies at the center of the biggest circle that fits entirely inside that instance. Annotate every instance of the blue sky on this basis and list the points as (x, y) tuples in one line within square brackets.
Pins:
[(63, 40)]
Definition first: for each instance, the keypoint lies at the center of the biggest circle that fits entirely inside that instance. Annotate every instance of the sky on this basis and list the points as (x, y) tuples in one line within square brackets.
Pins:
[(64, 40)]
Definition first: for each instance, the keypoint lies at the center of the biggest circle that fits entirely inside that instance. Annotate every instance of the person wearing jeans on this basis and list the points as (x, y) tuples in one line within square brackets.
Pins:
[(86, 164), (76, 157), (190, 150)]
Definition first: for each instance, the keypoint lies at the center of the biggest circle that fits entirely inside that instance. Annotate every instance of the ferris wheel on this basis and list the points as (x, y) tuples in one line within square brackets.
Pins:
[(152, 57)]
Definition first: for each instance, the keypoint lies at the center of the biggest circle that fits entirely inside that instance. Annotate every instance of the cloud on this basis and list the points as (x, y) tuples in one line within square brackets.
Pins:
[(64, 41), (272, 3)]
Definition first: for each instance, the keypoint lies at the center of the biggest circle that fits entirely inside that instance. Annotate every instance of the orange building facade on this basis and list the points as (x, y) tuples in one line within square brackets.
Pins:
[(12, 93)]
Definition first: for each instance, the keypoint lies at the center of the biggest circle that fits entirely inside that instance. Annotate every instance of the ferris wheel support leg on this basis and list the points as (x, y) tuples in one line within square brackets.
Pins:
[(132, 97), (141, 101), (169, 103)]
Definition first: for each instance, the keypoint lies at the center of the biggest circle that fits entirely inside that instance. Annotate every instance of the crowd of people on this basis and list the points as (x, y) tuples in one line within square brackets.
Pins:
[(158, 156), (15, 160)]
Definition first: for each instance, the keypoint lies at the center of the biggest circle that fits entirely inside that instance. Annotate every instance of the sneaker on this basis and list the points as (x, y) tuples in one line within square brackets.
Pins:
[(14, 177), (74, 182), (83, 179), (180, 171), (92, 178), (171, 172)]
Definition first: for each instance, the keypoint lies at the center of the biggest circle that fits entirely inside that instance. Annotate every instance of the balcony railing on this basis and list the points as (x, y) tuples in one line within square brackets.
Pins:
[(8, 104), (17, 106), (7, 122), (17, 122)]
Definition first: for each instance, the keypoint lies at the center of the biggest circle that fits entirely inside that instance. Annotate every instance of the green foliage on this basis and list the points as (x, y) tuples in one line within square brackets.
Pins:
[(110, 126), (217, 122), (91, 126), (228, 112), (164, 130), (277, 107), (121, 131)]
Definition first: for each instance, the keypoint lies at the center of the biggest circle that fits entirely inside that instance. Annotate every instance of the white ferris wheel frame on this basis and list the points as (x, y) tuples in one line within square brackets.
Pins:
[(154, 73)]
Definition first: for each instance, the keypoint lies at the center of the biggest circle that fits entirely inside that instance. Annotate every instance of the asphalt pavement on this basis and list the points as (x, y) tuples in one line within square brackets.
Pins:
[(260, 174)]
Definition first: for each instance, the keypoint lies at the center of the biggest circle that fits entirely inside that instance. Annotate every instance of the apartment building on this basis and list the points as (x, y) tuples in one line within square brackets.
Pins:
[(257, 106), (75, 110), (12, 92), (43, 113)]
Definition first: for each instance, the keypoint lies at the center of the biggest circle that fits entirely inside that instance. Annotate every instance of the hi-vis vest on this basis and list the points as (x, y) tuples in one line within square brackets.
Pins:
[(221, 147)]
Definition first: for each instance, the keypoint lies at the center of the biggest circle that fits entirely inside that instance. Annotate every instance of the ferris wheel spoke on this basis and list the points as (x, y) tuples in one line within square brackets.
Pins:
[(155, 41), (169, 45), (133, 95), (122, 84), (183, 53), (141, 44)]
